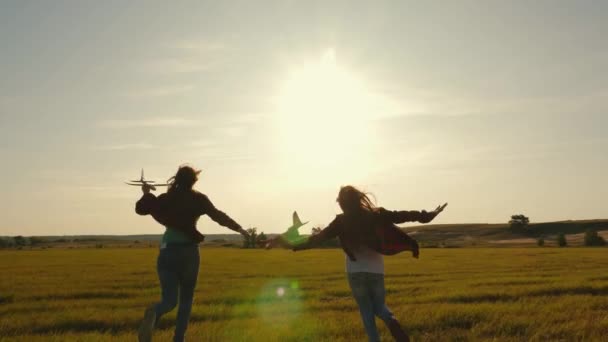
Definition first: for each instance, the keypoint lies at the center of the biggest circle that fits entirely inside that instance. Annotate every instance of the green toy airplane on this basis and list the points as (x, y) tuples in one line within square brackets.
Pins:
[(289, 238)]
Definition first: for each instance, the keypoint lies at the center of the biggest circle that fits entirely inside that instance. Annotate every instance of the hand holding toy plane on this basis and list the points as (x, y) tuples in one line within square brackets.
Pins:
[(289, 238)]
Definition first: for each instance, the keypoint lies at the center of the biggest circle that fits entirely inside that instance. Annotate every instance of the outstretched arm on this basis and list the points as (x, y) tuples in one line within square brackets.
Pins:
[(314, 240), (220, 217), (412, 215)]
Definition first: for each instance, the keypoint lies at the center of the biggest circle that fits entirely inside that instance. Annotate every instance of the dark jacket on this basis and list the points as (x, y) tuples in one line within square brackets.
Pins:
[(181, 210), (376, 230)]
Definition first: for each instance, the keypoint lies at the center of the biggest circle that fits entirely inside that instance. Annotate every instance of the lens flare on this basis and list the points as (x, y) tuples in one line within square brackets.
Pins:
[(279, 302)]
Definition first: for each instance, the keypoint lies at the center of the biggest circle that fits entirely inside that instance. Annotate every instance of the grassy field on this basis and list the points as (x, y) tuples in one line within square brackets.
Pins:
[(502, 294)]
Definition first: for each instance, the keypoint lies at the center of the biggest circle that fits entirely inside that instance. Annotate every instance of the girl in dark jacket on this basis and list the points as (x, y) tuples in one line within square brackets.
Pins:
[(178, 210), (366, 233)]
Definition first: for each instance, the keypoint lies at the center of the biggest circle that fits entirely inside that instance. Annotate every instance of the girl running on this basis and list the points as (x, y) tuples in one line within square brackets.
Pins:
[(178, 210), (366, 232)]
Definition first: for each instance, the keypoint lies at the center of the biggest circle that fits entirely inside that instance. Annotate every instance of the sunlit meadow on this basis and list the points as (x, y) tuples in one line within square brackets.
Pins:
[(463, 294)]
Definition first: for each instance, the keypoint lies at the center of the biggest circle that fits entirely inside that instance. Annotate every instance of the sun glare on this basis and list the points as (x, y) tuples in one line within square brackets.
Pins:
[(324, 114)]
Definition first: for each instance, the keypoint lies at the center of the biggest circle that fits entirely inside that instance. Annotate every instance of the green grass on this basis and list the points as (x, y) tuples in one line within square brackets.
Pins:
[(502, 294)]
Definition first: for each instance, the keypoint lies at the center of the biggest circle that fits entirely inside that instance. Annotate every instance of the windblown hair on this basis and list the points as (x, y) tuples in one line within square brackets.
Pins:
[(184, 179), (354, 201)]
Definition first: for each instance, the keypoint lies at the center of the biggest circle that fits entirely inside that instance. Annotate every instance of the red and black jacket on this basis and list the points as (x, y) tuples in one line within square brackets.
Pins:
[(376, 230)]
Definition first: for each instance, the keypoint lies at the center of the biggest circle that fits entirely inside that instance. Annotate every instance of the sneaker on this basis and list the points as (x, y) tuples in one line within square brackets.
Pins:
[(147, 325), (397, 331)]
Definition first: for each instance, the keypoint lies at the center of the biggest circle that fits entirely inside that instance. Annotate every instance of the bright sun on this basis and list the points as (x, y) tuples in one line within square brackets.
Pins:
[(324, 115)]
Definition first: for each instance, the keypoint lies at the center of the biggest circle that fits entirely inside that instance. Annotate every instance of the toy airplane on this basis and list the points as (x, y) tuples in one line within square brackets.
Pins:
[(296, 223), (289, 238), (142, 181)]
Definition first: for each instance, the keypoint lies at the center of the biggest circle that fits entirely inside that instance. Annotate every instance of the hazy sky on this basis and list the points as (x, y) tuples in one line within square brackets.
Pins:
[(495, 107)]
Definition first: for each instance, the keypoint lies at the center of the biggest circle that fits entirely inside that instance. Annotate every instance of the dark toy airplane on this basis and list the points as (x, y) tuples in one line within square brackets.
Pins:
[(142, 181)]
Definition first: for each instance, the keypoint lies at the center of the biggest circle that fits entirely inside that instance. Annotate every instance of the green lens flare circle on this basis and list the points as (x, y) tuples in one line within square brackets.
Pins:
[(279, 302)]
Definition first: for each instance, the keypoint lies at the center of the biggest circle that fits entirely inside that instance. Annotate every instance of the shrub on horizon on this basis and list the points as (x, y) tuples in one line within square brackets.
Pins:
[(561, 240), (593, 239), (260, 237)]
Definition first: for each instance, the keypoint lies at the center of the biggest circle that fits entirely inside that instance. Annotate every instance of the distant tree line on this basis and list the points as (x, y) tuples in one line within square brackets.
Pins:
[(15, 241), (592, 239), (520, 223), (21, 241)]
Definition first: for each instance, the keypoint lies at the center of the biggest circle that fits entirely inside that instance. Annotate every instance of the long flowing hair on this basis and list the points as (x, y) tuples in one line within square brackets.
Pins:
[(184, 179), (354, 201)]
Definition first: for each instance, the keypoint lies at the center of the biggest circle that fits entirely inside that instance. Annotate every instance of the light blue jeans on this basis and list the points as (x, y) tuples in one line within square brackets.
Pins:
[(368, 290), (177, 266)]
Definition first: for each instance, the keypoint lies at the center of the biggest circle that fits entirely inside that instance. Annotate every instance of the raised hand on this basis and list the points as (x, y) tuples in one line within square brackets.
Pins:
[(145, 188), (427, 217)]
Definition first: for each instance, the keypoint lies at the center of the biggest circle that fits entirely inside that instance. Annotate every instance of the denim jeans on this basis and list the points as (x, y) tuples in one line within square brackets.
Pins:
[(177, 267), (368, 290)]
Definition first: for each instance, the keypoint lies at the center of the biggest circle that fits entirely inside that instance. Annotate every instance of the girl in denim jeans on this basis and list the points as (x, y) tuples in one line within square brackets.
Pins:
[(178, 210), (366, 233)]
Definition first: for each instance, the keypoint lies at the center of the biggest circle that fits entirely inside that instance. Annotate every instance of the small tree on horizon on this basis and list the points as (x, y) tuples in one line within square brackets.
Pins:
[(249, 241), (316, 230), (540, 242), (561, 240), (519, 222), (20, 241)]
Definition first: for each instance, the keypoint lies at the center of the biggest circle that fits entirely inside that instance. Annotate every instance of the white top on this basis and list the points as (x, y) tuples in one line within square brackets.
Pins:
[(368, 261)]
